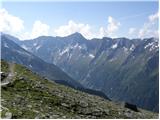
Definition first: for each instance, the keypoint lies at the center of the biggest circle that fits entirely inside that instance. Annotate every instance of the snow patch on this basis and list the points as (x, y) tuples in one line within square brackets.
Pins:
[(79, 47), (132, 48), (24, 47), (88, 75), (5, 45), (152, 46), (64, 51), (35, 44), (125, 49), (148, 45), (114, 46), (23, 53), (38, 47), (70, 55), (76, 46), (91, 55), (30, 65), (113, 59)]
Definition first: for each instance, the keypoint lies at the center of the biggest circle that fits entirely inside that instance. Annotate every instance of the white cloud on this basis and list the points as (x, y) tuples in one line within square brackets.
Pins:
[(148, 29), (131, 31), (113, 25), (102, 32), (15, 26), (85, 29), (153, 17), (24, 36), (10, 23), (73, 27), (39, 29)]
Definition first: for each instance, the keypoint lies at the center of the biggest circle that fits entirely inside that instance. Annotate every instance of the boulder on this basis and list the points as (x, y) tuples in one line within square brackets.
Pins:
[(131, 107), (8, 115), (3, 75)]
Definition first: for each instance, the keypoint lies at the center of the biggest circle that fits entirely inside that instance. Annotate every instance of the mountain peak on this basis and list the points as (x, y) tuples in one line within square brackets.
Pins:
[(77, 35)]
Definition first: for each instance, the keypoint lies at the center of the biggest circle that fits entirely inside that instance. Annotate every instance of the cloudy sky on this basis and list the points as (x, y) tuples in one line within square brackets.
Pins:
[(27, 20)]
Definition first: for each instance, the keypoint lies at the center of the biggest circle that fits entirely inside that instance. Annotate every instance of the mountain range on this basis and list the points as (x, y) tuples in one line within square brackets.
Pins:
[(14, 53), (124, 69)]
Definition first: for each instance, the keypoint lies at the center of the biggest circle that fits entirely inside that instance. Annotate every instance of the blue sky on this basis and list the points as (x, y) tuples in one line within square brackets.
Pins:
[(92, 19)]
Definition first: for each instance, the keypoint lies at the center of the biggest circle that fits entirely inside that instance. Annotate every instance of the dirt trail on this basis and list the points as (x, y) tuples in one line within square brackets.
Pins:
[(10, 76)]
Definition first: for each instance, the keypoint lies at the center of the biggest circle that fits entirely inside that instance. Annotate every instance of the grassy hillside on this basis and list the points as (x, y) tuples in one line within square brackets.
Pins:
[(28, 95)]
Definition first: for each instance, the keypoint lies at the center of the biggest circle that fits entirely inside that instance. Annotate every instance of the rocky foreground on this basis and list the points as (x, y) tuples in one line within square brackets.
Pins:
[(27, 95)]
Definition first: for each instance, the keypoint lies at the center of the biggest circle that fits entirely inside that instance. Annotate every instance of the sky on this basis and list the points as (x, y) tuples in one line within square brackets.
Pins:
[(27, 20)]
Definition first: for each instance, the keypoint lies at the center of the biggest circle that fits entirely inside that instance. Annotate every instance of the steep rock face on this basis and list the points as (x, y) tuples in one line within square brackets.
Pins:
[(14, 53), (10, 51), (29, 96), (64, 52), (124, 69)]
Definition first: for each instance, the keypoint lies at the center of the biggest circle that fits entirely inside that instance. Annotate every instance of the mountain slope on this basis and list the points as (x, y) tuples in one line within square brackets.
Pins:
[(28, 95), (123, 69), (130, 76), (14, 53), (10, 51)]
